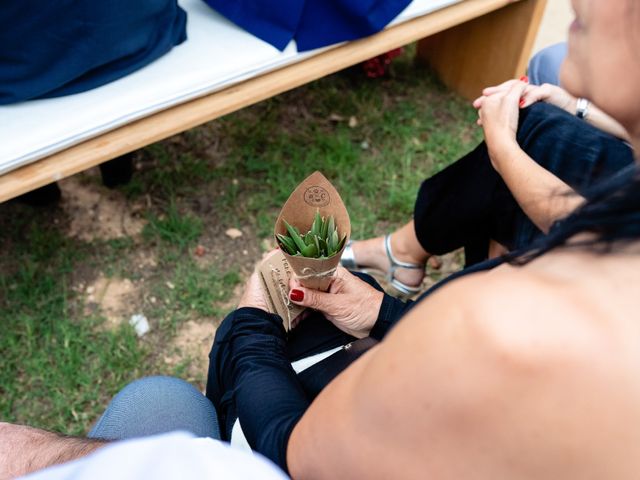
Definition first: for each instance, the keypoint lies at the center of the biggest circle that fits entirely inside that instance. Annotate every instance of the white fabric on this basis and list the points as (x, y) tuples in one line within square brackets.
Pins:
[(304, 363), (217, 54), (165, 457)]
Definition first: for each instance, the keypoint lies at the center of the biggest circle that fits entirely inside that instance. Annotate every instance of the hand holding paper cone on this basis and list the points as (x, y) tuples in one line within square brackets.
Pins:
[(312, 200)]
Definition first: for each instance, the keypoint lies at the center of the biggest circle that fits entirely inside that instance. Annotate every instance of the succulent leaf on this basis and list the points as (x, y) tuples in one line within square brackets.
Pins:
[(309, 251), (331, 226), (295, 235), (321, 241), (288, 244), (316, 226), (308, 239)]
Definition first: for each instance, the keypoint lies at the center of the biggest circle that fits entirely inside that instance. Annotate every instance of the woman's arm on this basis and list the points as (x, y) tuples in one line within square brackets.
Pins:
[(543, 197), (559, 97), (250, 376)]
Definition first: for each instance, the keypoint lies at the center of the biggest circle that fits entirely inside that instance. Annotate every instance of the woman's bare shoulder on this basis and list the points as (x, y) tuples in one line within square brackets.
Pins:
[(509, 308), (485, 369)]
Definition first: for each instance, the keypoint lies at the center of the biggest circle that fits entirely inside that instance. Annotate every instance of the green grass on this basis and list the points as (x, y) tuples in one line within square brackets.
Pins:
[(61, 363), (57, 370), (174, 228), (192, 291)]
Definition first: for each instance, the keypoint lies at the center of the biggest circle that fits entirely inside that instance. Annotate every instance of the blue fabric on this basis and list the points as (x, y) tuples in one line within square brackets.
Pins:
[(312, 23), (50, 48), (545, 65), (155, 405)]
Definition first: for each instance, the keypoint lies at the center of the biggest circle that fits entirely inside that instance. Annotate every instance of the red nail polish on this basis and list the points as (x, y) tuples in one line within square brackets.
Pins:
[(522, 102), (296, 295), (524, 78)]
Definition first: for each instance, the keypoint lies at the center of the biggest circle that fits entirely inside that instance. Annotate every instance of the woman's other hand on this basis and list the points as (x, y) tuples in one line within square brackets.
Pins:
[(551, 94), (350, 304), (253, 295), (498, 114)]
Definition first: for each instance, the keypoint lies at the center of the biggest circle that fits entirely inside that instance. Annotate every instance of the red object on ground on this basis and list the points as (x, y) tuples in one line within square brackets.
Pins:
[(377, 67)]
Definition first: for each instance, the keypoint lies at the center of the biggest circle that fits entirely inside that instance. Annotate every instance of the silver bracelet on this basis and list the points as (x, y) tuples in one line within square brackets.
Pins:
[(582, 108)]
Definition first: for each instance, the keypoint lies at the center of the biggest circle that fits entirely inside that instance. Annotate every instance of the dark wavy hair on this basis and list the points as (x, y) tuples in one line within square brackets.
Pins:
[(611, 214)]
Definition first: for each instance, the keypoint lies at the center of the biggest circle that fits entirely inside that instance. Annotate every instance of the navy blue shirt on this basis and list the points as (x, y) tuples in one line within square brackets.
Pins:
[(312, 23), (50, 48)]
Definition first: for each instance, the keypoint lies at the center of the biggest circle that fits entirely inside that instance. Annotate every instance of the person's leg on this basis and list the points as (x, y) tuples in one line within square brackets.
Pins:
[(544, 66), (117, 171), (467, 204), (41, 197), (405, 247), (154, 405)]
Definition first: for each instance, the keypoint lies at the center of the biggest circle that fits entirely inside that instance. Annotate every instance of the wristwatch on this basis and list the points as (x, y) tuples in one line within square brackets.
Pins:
[(582, 108)]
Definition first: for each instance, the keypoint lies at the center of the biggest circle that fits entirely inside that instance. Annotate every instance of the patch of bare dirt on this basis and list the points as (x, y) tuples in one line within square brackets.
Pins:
[(115, 298), (144, 260), (448, 264), (97, 212), (193, 343)]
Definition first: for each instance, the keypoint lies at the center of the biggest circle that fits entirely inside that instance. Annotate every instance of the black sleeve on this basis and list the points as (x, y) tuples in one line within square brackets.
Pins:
[(391, 311), (250, 377)]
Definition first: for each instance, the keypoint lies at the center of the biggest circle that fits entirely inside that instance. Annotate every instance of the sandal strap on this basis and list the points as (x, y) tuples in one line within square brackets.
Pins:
[(403, 288), (348, 259), (395, 263), (399, 286)]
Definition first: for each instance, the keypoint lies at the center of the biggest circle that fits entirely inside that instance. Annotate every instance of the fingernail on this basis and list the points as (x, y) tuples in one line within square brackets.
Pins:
[(522, 102), (296, 295), (524, 78)]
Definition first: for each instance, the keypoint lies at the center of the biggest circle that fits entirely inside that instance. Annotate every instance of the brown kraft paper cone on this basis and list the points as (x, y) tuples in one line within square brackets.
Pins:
[(315, 193)]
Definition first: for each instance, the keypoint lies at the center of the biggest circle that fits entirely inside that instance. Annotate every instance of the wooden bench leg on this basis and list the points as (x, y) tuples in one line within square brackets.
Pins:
[(485, 51)]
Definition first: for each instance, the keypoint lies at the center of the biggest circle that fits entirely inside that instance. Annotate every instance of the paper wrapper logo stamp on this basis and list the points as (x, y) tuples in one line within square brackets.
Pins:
[(317, 197)]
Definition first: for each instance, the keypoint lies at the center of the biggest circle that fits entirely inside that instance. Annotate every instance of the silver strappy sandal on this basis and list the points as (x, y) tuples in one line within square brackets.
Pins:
[(348, 261)]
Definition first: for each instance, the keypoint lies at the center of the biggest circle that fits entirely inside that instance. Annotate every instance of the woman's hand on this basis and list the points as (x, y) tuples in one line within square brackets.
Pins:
[(499, 112), (253, 295), (551, 94), (350, 304)]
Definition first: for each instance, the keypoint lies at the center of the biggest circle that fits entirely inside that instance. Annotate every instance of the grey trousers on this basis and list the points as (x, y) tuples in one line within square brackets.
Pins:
[(155, 405)]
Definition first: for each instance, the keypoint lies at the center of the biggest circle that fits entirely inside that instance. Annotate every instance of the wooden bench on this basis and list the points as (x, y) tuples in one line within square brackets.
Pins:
[(470, 44)]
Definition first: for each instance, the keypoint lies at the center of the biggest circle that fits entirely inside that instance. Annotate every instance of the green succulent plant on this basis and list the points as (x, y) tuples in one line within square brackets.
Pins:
[(322, 241)]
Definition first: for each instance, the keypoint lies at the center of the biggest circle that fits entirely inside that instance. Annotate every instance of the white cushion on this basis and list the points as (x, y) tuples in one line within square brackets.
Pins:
[(217, 54)]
